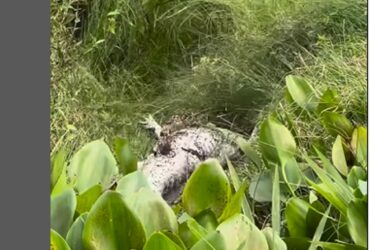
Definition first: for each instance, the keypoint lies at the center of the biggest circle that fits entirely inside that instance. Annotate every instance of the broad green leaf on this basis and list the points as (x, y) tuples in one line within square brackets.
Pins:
[(301, 92), (207, 219), (357, 221), (359, 145), (159, 241), (240, 233), (74, 235), (191, 232), (57, 167), (112, 225), (292, 174), (62, 183), (175, 238), (338, 157), (295, 214), (62, 208), (208, 187), (276, 142), (196, 229), (236, 183), (260, 189), (314, 215), (355, 175), (234, 206), (329, 101), (312, 197), (248, 150), (297, 243), (213, 241), (57, 242), (275, 210), (86, 200), (362, 186), (154, 213), (93, 164), (337, 124), (288, 98), (132, 182), (126, 159), (273, 239)]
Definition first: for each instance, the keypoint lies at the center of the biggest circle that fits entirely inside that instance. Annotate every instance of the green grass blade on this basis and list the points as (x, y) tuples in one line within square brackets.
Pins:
[(236, 183), (319, 230), (276, 202)]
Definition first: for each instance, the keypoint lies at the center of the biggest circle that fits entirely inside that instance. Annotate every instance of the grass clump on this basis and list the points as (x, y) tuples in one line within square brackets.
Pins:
[(224, 60)]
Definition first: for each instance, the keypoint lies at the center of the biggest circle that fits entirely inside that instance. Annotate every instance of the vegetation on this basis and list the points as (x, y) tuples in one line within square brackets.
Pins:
[(221, 60), (296, 70), (101, 207)]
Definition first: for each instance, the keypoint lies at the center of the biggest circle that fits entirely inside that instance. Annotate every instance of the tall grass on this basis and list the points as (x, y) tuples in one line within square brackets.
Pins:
[(223, 59)]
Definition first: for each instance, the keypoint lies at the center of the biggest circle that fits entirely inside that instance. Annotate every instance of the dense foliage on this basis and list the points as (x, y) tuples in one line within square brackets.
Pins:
[(295, 70), (101, 204)]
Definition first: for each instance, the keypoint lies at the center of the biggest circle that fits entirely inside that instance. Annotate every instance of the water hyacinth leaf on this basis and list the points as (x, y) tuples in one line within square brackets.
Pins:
[(57, 242), (196, 229), (362, 186), (74, 235), (248, 150), (337, 124), (126, 159), (359, 145), (240, 233), (288, 97), (236, 183), (88, 198), (111, 224), (191, 234), (296, 213), (175, 238), (273, 240), (132, 182), (338, 157), (329, 101), (207, 188), (301, 92), (62, 208), (207, 219), (312, 197), (62, 183), (276, 142), (159, 241), (154, 213), (93, 164), (234, 206), (297, 242), (355, 175), (57, 167), (314, 216), (260, 188), (214, 240), (357, 221), (292, 174)]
